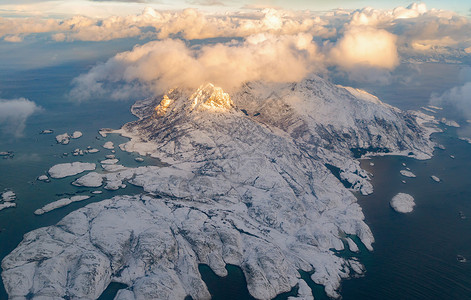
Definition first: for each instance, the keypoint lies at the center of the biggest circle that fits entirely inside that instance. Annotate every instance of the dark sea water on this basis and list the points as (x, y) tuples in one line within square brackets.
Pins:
[(414, 254)]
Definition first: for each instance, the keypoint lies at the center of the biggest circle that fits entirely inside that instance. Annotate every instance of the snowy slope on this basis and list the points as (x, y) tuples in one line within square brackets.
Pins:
[(333, 117)]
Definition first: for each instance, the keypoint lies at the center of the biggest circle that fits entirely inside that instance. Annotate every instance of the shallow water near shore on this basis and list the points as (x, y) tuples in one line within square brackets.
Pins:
[(414, 257)]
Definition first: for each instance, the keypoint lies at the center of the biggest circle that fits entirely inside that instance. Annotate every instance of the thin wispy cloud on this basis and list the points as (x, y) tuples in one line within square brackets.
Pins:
[(14, 114)]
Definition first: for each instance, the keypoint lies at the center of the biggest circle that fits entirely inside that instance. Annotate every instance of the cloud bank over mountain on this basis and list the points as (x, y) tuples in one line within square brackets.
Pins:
[(270, 44), (160, 65)]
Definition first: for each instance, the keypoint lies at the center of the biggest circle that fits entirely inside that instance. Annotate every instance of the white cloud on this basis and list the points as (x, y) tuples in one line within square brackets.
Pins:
[(13, 38), (419, 30), (160, 65), (188, 23), (366, 46), (14, 113), (366, 43), (376, 17), (458, 98)]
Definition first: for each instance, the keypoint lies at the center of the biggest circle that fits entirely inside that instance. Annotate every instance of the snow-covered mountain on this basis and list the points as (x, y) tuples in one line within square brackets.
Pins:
[(247, 184)]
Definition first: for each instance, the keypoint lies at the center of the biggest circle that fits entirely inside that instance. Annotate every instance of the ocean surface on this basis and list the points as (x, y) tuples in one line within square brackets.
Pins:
[(414, 257)]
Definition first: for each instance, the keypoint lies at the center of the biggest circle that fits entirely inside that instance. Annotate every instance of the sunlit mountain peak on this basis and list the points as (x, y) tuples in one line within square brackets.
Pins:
[(211, 97)]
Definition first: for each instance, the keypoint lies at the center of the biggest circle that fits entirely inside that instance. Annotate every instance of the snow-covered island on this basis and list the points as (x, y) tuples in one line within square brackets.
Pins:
[(59, 203), (261, 179), (63, 139), (76, 134), (108, 145), (92, 150), (7, 205), (7, 199), (402, 203), (70, 169), (92, 179), (466, 139), (407, 173), (43, 178), (78, 152), (8, 196)]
